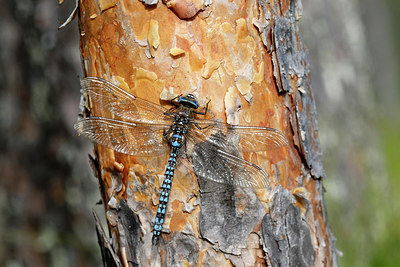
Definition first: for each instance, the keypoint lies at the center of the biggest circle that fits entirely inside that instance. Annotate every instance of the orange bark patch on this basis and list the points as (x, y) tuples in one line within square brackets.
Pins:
[(179, 218)]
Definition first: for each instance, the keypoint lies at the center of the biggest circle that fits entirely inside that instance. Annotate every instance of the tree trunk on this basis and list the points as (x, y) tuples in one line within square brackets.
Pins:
[(248, 59)]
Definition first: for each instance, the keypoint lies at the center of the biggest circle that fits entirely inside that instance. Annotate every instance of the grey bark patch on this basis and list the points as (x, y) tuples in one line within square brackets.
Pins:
[(132, 229), (108, 254), (286, 237), (292, 60), (306, 117), (263, 25), (291, 55), (183, 248), (228, 215)]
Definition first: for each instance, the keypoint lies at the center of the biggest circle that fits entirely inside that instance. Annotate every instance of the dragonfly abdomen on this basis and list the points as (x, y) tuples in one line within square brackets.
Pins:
[(176, 143)]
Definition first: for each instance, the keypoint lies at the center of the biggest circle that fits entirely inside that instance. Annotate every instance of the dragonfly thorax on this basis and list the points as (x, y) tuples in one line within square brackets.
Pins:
[(182, 117), (179, 127), (188, 101)]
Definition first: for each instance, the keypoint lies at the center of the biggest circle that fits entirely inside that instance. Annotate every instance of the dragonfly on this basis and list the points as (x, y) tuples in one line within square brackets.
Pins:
[(135, 126)]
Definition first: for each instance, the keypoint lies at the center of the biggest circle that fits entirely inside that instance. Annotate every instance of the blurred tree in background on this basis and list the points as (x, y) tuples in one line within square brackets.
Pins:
[(47, 190), (354, 54)]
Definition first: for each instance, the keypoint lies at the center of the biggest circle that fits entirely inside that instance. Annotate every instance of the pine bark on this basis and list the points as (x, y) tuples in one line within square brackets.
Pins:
[(248, 59)]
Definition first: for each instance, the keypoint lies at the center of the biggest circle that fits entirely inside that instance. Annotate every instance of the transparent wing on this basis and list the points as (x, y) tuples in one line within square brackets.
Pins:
[(247, 138), (108, 96), (218, 160), (124, 137)]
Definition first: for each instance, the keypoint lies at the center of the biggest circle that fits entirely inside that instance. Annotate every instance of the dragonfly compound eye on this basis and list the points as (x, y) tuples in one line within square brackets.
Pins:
[(189, 101)]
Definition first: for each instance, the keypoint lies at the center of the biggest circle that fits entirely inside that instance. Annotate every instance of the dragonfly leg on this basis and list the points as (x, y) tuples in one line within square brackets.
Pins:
[(171, 112), (199, 127)]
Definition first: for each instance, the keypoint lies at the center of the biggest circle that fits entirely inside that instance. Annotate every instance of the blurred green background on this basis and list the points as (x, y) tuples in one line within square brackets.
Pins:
[(47, 190), (354, 50)]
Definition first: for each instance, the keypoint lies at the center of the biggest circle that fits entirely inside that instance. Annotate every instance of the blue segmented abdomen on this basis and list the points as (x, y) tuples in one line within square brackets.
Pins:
[(176, 143)]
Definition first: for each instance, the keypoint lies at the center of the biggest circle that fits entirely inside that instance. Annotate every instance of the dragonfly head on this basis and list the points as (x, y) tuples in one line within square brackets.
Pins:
[(189, 101)]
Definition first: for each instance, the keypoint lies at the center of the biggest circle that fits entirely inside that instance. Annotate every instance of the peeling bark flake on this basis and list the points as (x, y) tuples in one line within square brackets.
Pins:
[(291, 55), (107, 4), (185, 9), (132, 229), (149, 2), (107, 252), (292, 62), (183, 251), (219, 216), (286, 237)]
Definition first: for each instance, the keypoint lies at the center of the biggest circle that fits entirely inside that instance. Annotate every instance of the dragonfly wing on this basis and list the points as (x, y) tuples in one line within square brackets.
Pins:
[(108, 96), (253, 138), (247, 138), (124, 137), (218, 160)]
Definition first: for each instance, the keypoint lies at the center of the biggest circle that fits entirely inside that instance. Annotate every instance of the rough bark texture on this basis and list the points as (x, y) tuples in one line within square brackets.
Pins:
[(248, 58)]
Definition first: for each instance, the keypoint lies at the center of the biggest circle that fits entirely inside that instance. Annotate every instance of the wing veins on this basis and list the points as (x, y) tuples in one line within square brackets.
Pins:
[(121, 103), (250, 138), (124, 137)]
